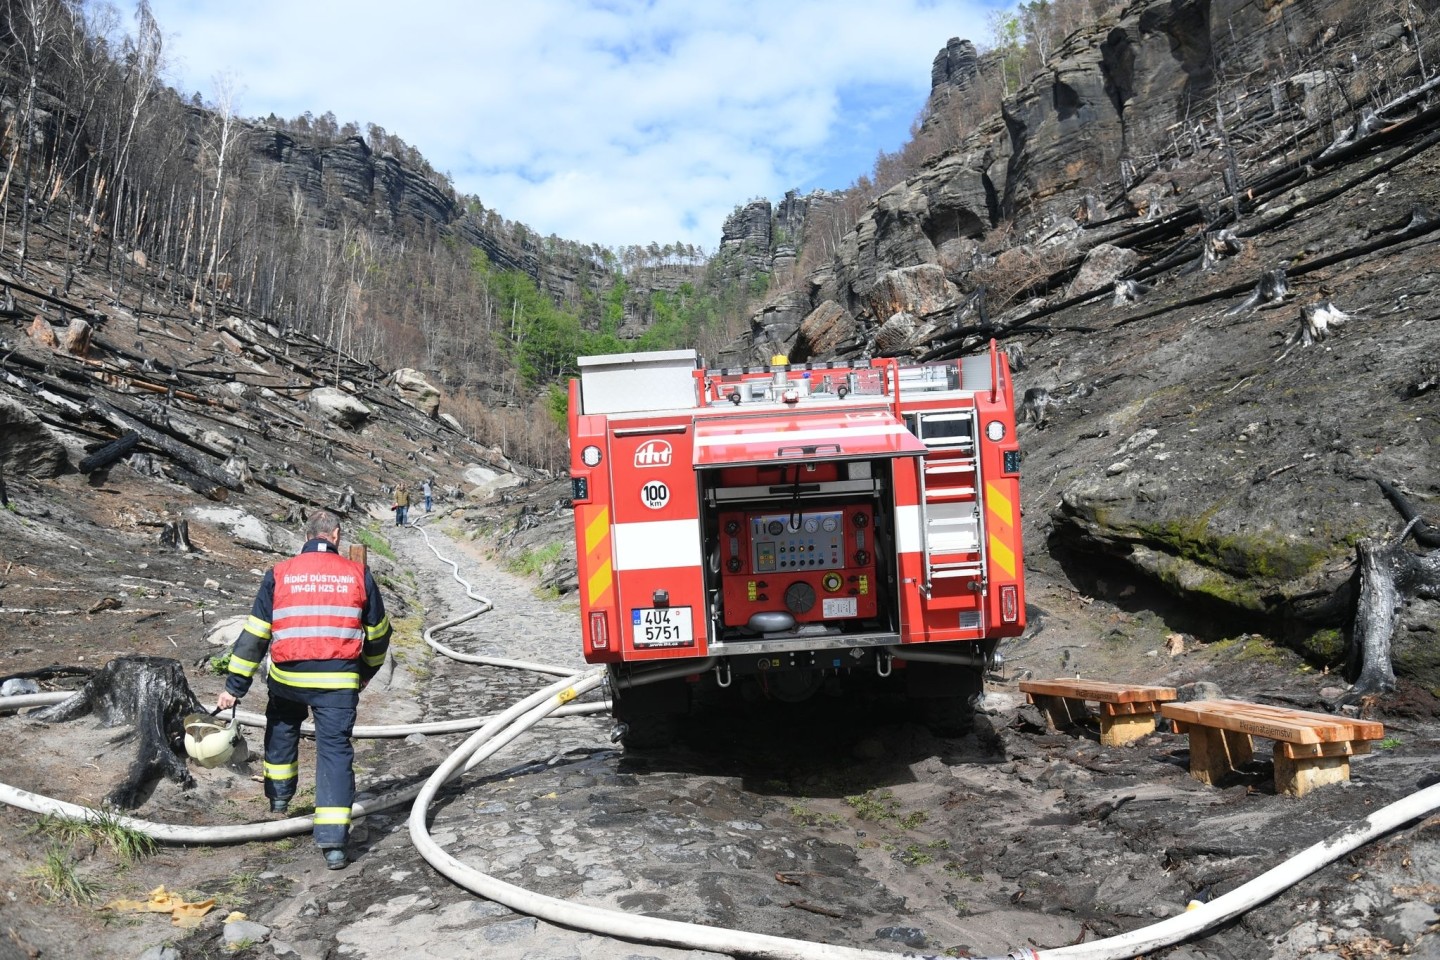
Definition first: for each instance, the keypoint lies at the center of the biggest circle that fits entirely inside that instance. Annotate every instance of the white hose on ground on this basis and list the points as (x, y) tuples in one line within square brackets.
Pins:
[(696, 936), (485, 605), (581, 916)]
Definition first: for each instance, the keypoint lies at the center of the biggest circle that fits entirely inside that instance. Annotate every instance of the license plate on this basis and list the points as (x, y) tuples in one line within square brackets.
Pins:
[(662, 627)]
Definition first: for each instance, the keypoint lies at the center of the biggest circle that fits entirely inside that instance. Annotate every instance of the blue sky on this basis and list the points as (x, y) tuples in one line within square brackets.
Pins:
[(601, 121)]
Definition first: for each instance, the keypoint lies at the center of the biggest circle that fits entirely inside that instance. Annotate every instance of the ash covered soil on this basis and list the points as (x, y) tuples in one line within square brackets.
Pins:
[(824, 823)]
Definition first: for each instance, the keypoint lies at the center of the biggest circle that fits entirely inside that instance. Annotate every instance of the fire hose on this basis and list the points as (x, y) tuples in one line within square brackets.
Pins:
[(492, 734)]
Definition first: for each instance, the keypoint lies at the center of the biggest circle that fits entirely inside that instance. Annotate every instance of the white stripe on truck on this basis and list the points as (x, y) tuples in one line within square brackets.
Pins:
[(657, 545)]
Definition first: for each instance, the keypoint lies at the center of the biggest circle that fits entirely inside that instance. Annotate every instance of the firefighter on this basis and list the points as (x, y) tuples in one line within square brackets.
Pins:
[(321, 618)]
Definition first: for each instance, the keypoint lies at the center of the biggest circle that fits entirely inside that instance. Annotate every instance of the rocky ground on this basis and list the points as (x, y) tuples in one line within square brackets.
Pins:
[(827, 825)]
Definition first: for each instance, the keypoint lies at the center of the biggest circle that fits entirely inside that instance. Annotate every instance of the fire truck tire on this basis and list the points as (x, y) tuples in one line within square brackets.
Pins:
[(943, 697), (652, 714)]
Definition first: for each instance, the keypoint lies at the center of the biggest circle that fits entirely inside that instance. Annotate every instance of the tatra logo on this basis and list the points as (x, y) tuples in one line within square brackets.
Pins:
[(653, 453)]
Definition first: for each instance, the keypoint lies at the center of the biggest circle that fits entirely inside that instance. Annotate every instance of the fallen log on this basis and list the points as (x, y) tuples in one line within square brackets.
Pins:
[(201, 485), (190, 459), (109, 453)]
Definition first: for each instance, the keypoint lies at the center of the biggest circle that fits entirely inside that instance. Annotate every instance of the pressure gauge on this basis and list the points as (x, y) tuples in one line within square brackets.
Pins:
[(830, 524), (995, 430), (811, 524)]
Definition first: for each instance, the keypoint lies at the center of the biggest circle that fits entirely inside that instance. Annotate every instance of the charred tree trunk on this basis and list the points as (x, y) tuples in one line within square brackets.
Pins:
[(1388, 574), (189, 458), (176, 535), (109, 453), (150, 694)]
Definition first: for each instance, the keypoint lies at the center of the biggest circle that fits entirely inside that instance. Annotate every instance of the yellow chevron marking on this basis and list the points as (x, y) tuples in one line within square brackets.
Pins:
[(597, 529), (999, 504), (1002, 555), (600, 582)]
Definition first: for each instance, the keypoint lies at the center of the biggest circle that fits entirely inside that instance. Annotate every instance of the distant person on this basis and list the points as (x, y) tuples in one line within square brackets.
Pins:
[(426, 492), (402, 503), (322, 620)]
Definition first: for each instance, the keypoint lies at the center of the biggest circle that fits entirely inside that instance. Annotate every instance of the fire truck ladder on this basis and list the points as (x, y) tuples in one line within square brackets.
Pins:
[(953, 523)]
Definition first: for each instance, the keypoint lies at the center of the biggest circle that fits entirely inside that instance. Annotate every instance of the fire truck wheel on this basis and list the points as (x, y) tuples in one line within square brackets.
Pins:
[(651, 713), (946, 716), (943, 697)]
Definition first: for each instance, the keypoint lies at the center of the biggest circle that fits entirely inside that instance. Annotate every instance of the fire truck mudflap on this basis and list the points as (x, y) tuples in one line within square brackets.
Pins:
[(778, 531)]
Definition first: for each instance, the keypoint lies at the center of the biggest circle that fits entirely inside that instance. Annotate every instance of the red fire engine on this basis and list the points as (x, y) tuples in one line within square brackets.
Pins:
[(782, 527)]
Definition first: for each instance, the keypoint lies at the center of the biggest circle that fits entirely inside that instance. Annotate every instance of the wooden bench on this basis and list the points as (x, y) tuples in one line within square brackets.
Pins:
[(1311, 749), (1127, 710)]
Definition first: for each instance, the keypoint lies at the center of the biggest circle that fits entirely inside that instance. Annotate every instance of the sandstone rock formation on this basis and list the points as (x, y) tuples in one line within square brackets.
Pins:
[(1202, 436)]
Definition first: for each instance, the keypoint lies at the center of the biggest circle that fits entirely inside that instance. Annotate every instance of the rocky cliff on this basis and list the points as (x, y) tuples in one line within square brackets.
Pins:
[(1206, 233)]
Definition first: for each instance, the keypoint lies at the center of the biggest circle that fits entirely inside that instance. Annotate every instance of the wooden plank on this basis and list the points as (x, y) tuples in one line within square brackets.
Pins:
[(1308, 751), (1101, 691), (1298, 777), (1274, 723), (1138, 707), (1062, 713), (1116, 731), (1361, 729)]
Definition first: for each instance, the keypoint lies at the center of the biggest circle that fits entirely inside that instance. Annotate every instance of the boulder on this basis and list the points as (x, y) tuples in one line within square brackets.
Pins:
[(27, 446), (896, 335), (773, 329), (77, 338), (918, 290), (339, 407), (42, 333), (1103, 266), (824, 329), (414, 389)]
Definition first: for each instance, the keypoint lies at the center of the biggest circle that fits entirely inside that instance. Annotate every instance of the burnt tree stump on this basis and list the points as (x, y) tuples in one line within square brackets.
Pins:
[(150, 694), (1388, 574)]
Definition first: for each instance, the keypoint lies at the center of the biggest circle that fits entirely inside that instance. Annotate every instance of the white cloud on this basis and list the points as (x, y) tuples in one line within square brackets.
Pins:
[(609, 121)]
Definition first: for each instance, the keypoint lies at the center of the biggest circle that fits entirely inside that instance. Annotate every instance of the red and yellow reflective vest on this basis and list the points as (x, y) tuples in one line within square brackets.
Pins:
[(320, 617)]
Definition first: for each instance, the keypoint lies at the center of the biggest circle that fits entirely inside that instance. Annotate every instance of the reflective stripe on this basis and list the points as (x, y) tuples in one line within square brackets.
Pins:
[(302, 610), (1000, 520), (656, 545), (282, 771), (343, 633), (258, 627), (334, 816), (319, 681), (243, 668), (373, 660), (379, 629)]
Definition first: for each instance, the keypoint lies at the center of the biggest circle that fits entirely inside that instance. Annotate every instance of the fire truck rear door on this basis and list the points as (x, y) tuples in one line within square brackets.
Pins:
[(809, 438)]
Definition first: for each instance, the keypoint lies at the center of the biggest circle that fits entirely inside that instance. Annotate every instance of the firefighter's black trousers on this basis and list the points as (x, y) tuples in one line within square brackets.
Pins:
[(334, 712)]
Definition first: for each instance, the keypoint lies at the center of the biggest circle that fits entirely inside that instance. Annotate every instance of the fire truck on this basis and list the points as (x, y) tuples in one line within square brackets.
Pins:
[(792, 528)]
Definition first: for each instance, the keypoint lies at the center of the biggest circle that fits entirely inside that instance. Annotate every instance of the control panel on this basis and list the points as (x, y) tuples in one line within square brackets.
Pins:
[(814, 564)]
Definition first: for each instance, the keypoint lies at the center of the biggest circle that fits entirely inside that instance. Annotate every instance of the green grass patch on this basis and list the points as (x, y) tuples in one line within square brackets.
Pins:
[(373, 542), (1389, 743), (102, 830), (55, 878), (807, 817), (533, 562)]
